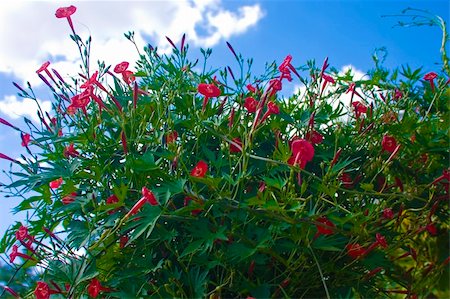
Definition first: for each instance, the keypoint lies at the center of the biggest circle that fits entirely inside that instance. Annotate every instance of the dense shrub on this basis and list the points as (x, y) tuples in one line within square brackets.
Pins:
[(175, 181)]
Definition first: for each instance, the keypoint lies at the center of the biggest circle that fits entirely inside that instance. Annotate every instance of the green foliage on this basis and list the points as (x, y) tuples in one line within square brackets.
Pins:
[(262, 218)]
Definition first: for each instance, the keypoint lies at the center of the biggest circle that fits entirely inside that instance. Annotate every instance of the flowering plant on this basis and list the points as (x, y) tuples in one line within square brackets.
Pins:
[(172, 181)]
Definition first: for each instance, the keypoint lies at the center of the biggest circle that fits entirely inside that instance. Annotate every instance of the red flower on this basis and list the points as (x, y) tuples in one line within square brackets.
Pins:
[(381, 241), (11, 291), (302, 152), (94, 288), (70, 151), (431, 228), (200, 169), (121, 67), (128, 76), (44, 68), (251, 88), (355, 250), (250, 104), (315, 137), (80, 100), (388, 213), (171, 137), (388, 143), (22, 233), (69, 198), (272, 108), (149, 196), (112, 200), (209, 91), (359, 108), (328, 79), (346, 180), (15, 253), (275, 85), (42, 290), (236, 148), (326, 229), (56, 183), (66, 12), (123, 241), (25, 139), (430, 77)]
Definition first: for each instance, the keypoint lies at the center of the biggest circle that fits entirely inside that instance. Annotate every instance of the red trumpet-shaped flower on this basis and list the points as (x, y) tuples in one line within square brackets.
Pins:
[(250, 104), (272, 108), (237, 147), (208, 91), (25, 139), (430, 78), (171, 137), (355, 250), (69, 198), (302, 152), (42, 290), (66, 12), (359, 108), (55, 184), (121, 67), (388, 143), (147, 196), (315, 137), (200, 169), (70, 151), (15, 253), (22, 233), (326, 227), (94, 288)]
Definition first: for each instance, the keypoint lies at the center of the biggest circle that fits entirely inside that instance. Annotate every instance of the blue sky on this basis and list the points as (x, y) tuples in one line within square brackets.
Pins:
[(345, 31)]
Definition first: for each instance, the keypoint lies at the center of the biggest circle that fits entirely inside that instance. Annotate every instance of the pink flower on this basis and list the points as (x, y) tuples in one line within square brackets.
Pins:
[(388, 143), (25, 139), (56, 183), (200, 169), (302, 152)]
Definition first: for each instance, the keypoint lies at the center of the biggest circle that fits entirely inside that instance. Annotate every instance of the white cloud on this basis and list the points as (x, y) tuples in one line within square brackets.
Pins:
[(31, 34), (16, 108)]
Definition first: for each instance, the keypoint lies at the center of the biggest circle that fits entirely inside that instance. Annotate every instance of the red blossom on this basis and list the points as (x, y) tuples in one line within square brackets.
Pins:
[(347, 181), (22, 233), (355, 250), (251, 88), (112, 200), (388, 143), (275, 85), (208, 91), (55, 184), (272, 108), (302, 152), (79, 101), (326, 227), (66, 12), (25, 139), (359, 108), (315, 137), (250, 104), (42, 290), (430, 77), (69, 198), (15, 253), (200, 169), (121, 67), (70, 151), (11, 291), (388, 213), (128, 76), (171, 137), (236, 148), (123, 241), (149, 196), (431, 228), (94, 288), (380, 240)]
